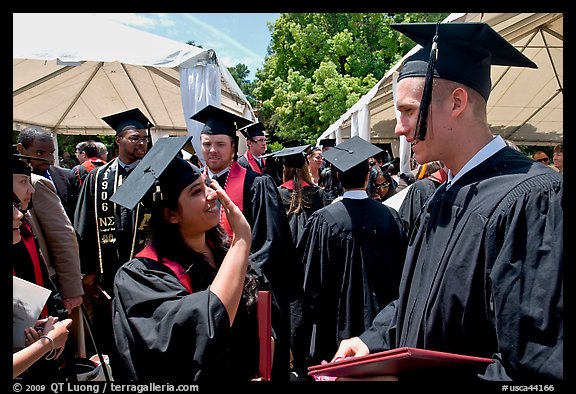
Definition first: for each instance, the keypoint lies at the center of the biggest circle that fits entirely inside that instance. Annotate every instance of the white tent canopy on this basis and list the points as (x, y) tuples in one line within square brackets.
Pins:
[(525, 105), (69, 70)]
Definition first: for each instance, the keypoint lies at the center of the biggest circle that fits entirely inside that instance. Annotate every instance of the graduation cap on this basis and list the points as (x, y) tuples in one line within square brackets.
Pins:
[(21, 163), (328, 143), (253, 130), (350, 153), (163, 169), (291, 143), (293, 157), (459, 52), (218, 121), (131, 119)]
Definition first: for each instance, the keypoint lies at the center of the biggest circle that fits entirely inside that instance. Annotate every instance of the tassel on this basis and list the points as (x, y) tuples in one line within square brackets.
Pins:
[(421, 124)]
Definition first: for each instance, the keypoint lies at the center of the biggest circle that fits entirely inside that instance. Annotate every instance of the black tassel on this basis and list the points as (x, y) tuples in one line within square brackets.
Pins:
[(422, 123)]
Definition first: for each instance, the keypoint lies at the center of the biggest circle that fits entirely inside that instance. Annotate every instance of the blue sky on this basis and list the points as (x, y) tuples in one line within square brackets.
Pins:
[(235, 37)]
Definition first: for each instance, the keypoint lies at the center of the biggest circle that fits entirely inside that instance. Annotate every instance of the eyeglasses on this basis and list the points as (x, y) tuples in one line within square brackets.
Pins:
[(543, 160), (138, 140), (382, 185)]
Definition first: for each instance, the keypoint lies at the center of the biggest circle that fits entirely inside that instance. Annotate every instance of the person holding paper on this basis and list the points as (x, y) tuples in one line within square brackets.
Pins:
[(49, 342), (51, 339), (484, 269), (184, 306)]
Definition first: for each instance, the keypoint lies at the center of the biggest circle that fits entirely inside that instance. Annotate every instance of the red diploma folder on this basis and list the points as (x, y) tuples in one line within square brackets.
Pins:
[(264, 307), (394, 362)]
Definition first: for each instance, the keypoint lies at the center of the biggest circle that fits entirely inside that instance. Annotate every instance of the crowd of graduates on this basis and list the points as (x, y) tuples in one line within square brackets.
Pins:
[(166, 255)]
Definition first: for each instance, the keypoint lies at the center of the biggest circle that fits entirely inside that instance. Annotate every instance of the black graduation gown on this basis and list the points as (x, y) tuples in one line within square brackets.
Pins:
[(116, 253), (483, 272), (414, 200), (113, 237), (330, 183), (166, 334), (63, 179), (353, 252), (314, 199), (273, 252)]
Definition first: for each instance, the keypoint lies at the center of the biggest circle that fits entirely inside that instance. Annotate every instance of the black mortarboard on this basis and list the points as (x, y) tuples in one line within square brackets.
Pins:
[(294, 156), (291, 144), (131, 119), (218, 121), (253, 130), (328, 142), (350, 153), (163, 168), (459, 52), (21, 163)]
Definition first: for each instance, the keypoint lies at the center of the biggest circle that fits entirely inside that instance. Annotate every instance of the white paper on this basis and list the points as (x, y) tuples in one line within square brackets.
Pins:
[(28, 301), (397, 199)]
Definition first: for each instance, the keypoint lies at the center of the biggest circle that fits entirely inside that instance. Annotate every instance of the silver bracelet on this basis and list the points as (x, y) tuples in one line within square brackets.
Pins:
[(52, 352)]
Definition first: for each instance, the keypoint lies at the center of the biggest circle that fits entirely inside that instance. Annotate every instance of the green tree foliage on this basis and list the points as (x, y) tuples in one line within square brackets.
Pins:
[(319, 64), (240, 74)]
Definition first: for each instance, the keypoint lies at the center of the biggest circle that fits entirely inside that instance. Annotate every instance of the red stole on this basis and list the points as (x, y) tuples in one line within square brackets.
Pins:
[(253, 163), (149, 253), (30, 244), (290, 184)]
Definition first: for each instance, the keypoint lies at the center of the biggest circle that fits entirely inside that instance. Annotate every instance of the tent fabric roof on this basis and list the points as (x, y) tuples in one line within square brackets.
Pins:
[(108, 42), (81, 67), (525, 105)]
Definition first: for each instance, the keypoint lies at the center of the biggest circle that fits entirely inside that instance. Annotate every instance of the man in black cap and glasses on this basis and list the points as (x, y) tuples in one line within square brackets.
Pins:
[(256, 143), (483, 271), (109, 234)]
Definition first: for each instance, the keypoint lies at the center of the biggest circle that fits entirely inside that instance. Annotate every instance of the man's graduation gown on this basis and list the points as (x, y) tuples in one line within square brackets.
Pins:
[(273, 252), (483, 272), (108, 234), (353, 252)]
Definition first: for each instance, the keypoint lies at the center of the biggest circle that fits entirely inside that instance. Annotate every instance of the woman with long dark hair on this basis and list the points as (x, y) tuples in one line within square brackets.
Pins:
[(184, 306)]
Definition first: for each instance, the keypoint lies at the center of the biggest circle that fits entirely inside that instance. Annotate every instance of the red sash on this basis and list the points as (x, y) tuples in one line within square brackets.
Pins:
[(149, 253), (439, 176), (33, 252), (234, 187), (253, 163), (290, 184)]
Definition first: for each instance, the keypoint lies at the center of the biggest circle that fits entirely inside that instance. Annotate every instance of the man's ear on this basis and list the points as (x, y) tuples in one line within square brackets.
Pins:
[(459, 100)]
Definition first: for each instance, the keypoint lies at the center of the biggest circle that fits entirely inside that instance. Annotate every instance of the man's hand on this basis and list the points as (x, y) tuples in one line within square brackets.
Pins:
[(351, 347), (71, 303)]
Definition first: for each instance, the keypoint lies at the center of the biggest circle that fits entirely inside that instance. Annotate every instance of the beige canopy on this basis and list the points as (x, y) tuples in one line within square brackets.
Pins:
[(69, 70), (525, 105)]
